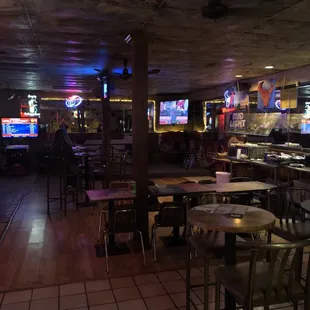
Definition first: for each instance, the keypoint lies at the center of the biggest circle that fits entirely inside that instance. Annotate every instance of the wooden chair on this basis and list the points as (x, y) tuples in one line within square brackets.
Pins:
[(265, 283), (209, 246), (291, 223)]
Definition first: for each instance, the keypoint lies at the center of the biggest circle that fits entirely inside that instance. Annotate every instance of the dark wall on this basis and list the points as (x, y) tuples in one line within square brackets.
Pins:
[(9, 108)]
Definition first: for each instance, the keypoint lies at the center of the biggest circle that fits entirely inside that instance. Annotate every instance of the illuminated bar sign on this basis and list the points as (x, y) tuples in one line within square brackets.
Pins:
[(73, 101), (237, 122), (30, 107)]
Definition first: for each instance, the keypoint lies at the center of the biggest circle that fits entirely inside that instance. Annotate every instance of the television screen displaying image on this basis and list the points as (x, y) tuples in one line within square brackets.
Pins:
[(19, 127), (305, 127), (173, 112)]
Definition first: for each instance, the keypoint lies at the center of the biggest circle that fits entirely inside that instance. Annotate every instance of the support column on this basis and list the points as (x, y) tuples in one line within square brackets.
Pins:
[(106, 130), (140, 130)]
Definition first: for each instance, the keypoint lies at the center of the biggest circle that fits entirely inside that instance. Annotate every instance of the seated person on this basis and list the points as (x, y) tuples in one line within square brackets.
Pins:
[(62, 147)]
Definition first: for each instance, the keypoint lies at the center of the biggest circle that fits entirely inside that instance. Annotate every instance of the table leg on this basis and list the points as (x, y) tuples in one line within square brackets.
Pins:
[(86, 176), (275, 176), (230, 259), (268, 200), (111, 219)]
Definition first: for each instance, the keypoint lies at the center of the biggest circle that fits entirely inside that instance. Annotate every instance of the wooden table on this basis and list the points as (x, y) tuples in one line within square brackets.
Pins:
[(253, 220), (109, 195), (197, 179), (240, 187), (183, 189)]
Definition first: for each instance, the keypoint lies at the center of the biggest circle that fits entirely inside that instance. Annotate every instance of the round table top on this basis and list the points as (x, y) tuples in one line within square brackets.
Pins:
[(214, 217), (305, 205)]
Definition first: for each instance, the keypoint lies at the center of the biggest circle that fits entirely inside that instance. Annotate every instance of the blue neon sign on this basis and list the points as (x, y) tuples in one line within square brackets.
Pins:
[(73, 101)]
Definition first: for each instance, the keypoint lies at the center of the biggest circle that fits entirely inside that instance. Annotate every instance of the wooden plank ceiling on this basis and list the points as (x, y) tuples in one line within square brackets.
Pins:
[(55, 44)]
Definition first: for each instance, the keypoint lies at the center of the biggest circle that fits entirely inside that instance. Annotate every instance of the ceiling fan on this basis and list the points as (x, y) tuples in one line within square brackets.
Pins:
[(125, 75)]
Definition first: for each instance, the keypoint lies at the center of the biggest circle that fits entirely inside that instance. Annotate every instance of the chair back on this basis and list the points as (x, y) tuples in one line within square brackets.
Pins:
[(124, 220), (55, 166), (285, 202), (280, 279), (153, 202), (172, 214)]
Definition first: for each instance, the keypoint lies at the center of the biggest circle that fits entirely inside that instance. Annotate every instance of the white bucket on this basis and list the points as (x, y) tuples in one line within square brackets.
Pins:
[(222, 177)]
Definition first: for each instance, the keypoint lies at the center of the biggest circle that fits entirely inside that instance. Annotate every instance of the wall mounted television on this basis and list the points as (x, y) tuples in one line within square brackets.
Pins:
[(19, 127), (174, 112)]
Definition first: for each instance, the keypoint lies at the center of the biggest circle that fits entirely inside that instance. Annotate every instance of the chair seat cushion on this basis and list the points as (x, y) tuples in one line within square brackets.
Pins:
[(210, 244), (291, 231), (236, 279)]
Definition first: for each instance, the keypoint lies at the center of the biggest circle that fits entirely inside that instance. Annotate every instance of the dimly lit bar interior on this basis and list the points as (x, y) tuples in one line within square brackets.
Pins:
[(154, 155)]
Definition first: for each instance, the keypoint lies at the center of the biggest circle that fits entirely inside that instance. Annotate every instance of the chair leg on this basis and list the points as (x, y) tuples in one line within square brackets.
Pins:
[(307, 303), (60, 193), (192, 233), (100, 225), (64, 193), (188, 277), (298, 269), (154, 243), (76, 193), (217, 295), (206, 284), (106, 251), (48, 194), (295, 305), (142, 246)]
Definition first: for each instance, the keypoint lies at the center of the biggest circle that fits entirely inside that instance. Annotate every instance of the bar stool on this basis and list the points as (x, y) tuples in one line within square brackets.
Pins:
[(56, 167)]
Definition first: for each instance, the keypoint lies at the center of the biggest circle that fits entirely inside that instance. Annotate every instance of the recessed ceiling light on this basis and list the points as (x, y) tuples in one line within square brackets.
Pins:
[(239, 75), (269, 67)]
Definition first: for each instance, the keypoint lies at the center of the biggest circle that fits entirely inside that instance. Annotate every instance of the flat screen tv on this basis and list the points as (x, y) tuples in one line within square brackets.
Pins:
[(173, 112), (19, 127)]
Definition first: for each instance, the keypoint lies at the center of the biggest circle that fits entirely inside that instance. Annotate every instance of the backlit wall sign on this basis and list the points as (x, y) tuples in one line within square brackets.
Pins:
[(73, 101), (30, 107)]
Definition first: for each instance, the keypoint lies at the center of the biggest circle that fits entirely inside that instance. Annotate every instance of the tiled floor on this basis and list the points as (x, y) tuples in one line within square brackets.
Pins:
[(156, 291)]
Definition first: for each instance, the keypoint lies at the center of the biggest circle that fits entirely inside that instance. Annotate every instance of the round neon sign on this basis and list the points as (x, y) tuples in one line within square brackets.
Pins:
[(73, 101)]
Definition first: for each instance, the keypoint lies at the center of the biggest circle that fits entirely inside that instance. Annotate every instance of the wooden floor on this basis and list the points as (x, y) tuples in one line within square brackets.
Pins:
[(41, 251)]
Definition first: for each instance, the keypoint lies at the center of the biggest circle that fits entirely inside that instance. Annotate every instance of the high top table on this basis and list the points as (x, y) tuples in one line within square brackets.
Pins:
[(253, 220)]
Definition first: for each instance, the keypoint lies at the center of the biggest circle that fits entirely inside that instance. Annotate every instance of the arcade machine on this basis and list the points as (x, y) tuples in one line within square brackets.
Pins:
[(17, 155)]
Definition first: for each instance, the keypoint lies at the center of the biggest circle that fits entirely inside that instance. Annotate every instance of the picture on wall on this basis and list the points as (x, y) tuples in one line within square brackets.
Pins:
[(266, 94)]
